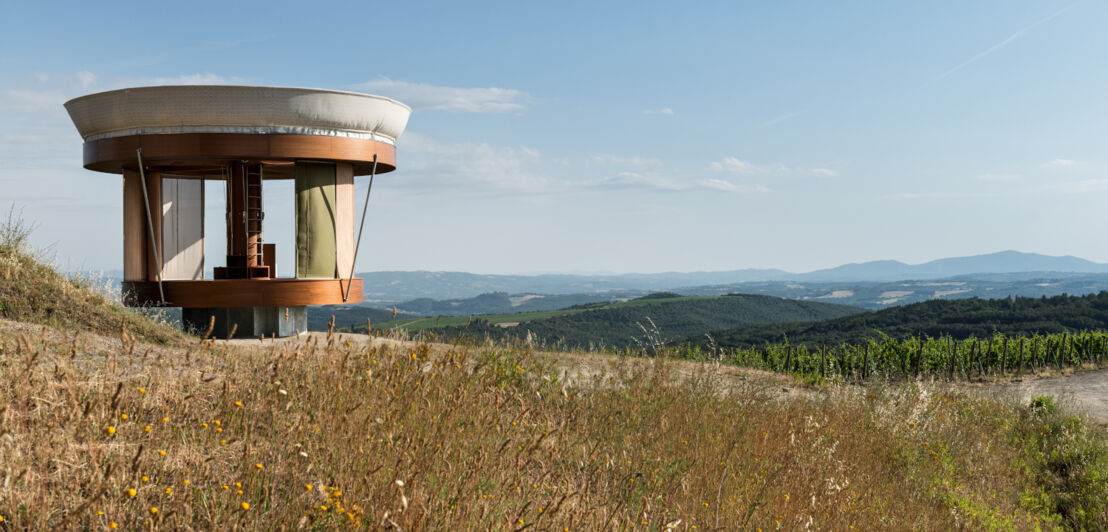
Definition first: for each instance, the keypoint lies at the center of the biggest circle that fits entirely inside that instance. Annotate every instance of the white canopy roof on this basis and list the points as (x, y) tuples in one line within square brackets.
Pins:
[(237, 109)]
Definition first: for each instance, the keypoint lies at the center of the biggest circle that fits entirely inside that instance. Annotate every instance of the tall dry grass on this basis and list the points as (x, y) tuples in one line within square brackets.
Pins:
[(330, 432)]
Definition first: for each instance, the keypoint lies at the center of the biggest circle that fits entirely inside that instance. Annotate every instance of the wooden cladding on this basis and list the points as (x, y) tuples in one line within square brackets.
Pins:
[(243, 292), (344, 218), (199, 150), (135, 234)]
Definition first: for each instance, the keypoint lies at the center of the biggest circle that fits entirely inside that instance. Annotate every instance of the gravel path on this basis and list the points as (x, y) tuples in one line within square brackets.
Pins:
[(1085, 391)]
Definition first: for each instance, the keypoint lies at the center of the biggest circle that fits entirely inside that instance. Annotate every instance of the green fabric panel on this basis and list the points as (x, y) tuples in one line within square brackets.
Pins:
[(315, 221)]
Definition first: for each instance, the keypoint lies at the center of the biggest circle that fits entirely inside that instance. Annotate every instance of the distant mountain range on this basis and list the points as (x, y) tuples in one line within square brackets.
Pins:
[(396, 287)]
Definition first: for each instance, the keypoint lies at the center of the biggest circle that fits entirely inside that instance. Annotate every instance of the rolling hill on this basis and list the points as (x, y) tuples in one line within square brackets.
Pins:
[(961, 318), (393, 287), (657, 317)]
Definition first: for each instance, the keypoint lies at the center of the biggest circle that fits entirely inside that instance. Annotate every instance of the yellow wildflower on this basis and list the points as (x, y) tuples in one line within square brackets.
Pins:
[(131, 492), (245, 506), (110, 430)]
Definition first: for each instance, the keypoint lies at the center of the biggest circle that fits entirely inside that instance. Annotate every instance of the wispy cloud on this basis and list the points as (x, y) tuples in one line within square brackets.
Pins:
[(782, 118), (939, 195), (825, 172), (1011, 38), (663, 111), (476, 167), (733, 165), (999, 178), (608, 159), (427, 97), (86, 79), (626, 180), (205, 78), (1056, 163), (656, 182)]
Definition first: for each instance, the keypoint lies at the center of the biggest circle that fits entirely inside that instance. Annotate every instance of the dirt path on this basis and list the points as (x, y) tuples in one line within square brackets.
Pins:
[(1085, 391)]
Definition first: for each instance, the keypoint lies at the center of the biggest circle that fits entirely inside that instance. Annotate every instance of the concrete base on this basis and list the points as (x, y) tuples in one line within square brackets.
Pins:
[(252, 321)]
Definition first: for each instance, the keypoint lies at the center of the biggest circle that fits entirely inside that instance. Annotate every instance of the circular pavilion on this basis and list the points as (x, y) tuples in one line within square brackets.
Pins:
[(168, 141)]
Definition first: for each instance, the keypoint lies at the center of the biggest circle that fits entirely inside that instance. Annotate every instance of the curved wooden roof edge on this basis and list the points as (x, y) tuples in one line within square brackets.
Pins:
[(203, 124)]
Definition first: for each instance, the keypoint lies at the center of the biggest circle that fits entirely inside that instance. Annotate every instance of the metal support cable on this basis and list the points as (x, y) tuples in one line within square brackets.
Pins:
[(358, 243), (150, 226)]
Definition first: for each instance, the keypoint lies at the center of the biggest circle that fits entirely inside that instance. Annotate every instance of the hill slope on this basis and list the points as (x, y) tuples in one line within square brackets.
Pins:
[(960, 318), (33, 292), (622, 324)]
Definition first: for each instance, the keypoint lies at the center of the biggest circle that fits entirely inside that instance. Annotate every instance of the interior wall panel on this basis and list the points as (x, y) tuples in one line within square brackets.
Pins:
[(182, 229)]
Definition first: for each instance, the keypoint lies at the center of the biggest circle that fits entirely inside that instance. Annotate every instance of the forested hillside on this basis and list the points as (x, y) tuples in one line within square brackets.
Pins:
[(960, 318), (656, 317)]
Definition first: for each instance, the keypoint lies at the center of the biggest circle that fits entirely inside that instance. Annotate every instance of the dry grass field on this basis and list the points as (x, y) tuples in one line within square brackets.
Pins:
[(130, 426)]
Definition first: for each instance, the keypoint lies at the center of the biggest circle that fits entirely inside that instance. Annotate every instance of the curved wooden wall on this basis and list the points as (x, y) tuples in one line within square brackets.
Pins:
[(243, 293)]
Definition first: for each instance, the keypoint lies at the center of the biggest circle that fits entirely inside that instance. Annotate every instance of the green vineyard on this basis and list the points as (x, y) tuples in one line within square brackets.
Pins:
[(943, 357)]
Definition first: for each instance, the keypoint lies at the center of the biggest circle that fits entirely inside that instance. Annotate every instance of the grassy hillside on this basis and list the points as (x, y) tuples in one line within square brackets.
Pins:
[(652, 319), (109, 431), (33, 292), (220, 436), (962, 318)]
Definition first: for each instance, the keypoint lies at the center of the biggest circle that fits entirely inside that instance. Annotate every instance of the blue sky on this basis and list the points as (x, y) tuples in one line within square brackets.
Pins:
[(622, 137)]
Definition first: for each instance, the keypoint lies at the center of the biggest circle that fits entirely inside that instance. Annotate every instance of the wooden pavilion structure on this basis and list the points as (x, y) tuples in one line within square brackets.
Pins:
[(168, 141)]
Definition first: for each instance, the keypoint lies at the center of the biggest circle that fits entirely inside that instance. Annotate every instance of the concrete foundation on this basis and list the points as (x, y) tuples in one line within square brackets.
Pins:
[(251, 322)]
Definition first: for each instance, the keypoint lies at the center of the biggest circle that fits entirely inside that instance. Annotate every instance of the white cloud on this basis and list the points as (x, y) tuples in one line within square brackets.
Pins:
[(659, 183), (935, 195), (719, 184), (30, 101), (640, 180), (608, 159), (426, 97), (824, 172), (86, 79), (1058, 163), (999, 178), (475, 166), (206, 78), (733, 165), (663, 111)]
